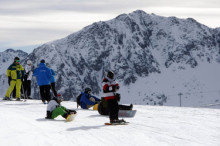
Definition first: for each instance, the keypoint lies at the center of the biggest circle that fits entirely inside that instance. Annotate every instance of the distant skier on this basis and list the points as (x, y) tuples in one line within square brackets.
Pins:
[(27, 79), (43, 75), (87, 100), (55, 109), (52, 80), (15, 73), (110, 87)]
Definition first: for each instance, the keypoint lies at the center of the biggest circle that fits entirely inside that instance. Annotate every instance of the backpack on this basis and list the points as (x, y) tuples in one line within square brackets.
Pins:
[(78, 100)]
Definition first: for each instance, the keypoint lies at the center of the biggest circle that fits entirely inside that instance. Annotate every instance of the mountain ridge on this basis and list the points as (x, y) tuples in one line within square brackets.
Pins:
[(133, 45)]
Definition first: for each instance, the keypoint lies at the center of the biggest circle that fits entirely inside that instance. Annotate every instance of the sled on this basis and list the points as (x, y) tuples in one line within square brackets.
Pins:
[(127, 113)]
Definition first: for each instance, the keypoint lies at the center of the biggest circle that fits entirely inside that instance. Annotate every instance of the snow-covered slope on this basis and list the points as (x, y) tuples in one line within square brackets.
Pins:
[(23, 124), (154, 58), (6, 59)]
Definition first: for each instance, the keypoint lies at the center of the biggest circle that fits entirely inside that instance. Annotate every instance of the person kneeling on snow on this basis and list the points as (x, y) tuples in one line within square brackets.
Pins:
[(54, 108), (87, 100)]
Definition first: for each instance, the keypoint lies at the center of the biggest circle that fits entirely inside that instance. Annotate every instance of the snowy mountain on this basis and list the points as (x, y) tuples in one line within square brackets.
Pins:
[(23, 124), (154, 58), (6, 59)]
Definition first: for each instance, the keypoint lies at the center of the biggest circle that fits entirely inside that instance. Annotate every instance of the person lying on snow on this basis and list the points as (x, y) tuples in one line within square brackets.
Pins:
[(103, 108), (55, 109), (87, 100)]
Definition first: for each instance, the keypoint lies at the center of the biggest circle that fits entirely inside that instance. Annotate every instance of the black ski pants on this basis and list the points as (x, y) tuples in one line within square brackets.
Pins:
[(113, 109), (45, 93), (27, 88), (53, 89)]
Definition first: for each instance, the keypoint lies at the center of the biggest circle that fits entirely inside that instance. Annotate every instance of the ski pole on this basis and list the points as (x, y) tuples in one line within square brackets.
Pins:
[(25, 99)]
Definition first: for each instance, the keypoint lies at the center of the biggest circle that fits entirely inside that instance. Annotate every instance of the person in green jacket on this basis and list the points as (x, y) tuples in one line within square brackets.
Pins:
[(55, 109)]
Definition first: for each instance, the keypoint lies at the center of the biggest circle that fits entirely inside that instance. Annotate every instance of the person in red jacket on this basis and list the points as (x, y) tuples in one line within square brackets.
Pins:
[(110, 87)]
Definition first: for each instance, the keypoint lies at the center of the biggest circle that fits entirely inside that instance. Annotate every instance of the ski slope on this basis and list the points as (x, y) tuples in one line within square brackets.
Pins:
[(23, 124)]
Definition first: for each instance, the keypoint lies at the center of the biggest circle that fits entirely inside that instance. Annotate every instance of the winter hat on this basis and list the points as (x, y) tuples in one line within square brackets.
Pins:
[(110, 74), (42, 61), (16, 58), (88, 90), (29, 62), (59, 97)]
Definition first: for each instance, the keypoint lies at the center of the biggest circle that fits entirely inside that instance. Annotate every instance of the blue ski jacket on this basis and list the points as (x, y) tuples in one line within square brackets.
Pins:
[(52, 79), (43, 75), (84, 101)]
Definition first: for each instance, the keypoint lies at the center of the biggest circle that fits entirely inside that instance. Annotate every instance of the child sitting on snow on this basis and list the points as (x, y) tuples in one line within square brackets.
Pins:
[(54, 109)]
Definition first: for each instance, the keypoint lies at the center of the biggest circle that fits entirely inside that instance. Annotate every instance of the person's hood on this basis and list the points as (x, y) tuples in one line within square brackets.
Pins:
[(42, 65)]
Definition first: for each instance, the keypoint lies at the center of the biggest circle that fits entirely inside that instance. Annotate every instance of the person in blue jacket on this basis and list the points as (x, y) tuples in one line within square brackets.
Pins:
[(43, 75), (52, 81), (87, 100)]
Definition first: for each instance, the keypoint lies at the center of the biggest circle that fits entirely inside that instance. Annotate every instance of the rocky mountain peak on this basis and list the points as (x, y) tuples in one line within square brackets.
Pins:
[(133, 45)]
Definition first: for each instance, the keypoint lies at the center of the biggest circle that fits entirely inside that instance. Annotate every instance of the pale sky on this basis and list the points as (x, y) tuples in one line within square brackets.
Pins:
[(26, 24)]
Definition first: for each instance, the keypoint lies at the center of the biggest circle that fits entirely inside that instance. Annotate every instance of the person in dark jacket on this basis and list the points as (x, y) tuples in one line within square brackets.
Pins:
[(104, 110), (52, 80), (87, 100), (43, 75)]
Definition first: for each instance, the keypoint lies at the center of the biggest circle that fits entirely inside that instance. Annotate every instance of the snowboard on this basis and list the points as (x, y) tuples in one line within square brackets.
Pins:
[(126, 123), (127, 113), (71, 117), (95, 107)]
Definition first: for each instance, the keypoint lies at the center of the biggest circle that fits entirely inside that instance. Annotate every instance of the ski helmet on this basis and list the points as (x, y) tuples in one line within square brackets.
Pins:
[(16, 59), (88, 90), (42, 61), (59, 97), (29, 62), (110, 74)]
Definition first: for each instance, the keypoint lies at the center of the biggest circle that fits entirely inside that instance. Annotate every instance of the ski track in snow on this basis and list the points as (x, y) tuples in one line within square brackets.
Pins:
[(23, 124)]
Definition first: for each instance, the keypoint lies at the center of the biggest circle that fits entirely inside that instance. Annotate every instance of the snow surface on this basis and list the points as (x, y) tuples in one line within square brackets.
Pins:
[(23, 124)]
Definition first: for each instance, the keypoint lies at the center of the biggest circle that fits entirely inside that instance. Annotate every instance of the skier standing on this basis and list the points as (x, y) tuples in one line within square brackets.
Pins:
[(27, 79), (55, 109), (110, 87), (87, 100), (15, 73), (43, 75), (52, 80)]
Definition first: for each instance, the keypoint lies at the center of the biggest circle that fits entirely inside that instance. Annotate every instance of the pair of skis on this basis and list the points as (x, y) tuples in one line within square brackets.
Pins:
[(24, 100)]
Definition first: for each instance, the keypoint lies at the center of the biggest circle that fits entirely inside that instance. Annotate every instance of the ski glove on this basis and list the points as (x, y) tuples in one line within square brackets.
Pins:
[(70, 111), (102, 99), (118, 96)]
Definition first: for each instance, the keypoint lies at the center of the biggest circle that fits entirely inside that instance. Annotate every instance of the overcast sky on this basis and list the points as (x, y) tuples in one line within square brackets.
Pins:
[(26, 24)]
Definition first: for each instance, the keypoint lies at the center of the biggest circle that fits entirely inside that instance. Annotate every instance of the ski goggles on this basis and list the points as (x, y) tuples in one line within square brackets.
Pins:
[(17, 61)]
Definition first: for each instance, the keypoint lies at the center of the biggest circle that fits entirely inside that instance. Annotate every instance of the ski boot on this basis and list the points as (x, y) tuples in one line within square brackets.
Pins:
[(6, 98), (18, 99)]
